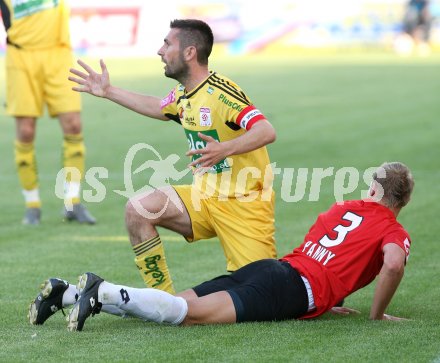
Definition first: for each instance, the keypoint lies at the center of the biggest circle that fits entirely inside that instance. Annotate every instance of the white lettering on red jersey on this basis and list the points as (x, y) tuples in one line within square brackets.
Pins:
[(343, 250)]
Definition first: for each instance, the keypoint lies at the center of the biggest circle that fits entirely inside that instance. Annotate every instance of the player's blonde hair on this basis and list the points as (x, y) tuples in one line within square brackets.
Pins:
[(397, 183)]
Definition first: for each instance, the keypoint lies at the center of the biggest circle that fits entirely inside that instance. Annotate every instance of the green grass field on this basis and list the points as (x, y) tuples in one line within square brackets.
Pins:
[(353, 111)]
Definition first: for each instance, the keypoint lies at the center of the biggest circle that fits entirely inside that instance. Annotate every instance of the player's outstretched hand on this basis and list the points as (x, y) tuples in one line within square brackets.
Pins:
[(342, 310), (91, 82)]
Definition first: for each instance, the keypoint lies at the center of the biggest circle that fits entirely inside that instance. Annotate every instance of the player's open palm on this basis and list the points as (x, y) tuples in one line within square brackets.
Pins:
[(91, 82)]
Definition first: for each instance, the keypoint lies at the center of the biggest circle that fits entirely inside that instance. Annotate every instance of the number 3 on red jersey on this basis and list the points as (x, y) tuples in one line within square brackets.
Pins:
[(342, 231)]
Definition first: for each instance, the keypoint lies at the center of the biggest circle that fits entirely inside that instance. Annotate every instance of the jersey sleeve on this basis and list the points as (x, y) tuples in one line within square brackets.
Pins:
[(400, 238), (168, 106), (239, 109)]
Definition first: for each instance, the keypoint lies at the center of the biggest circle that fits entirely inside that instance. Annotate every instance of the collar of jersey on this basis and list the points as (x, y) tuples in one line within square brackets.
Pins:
[(194, 91), (386, 210)]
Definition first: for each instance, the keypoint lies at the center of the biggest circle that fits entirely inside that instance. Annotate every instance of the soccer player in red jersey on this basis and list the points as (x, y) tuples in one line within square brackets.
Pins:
[(345, 249)]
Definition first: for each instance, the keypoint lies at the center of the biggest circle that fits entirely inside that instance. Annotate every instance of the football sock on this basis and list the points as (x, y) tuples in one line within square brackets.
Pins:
[(152, 265), (32, 198), (146, 304), (70, 297), (73, 157), (71, 192), (114, 310), (27, 172)]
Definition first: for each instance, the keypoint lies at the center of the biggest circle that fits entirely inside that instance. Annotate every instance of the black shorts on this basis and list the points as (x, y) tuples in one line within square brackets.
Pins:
[(265, 290)]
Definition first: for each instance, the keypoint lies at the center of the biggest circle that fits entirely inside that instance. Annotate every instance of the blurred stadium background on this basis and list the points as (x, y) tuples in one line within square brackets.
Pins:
[(137, 27)]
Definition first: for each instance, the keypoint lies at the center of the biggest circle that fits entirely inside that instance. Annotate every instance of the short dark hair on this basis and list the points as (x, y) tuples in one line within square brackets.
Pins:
[(397, 183), (195, 33)]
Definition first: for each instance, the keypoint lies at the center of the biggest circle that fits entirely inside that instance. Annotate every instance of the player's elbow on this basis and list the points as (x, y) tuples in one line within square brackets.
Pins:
[(393, 260), (394, 267), (272, 136), (269, 134), (264, 132)]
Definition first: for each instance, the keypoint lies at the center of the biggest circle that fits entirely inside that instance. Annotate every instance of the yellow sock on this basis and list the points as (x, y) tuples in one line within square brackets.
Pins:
[(74, 152), (27, 171), (152, 265)]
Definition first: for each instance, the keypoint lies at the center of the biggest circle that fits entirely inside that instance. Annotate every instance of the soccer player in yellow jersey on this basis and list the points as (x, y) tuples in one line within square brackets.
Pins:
[(231, 196), (38, 59)]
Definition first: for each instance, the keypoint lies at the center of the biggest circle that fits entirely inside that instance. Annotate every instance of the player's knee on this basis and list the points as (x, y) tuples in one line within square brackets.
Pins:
[(131, 214), (147, 209), (75, 128), (26, 133), (137, 212), (71, 122)]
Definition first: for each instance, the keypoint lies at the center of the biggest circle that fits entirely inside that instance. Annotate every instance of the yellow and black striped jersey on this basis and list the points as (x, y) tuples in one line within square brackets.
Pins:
[(219, 108), (36, 24)]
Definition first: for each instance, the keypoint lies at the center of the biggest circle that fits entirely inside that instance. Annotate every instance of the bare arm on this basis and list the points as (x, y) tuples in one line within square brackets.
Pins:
[(99, 85), (143, 104), (389, 279), (261, 134)]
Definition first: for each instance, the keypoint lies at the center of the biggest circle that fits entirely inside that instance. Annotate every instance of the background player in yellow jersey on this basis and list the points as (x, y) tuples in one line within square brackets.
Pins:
[(38, 59), (231, 196)]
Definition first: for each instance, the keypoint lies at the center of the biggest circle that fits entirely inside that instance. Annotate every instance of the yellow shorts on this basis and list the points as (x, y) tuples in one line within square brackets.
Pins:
[(245, 229), (35, 78)]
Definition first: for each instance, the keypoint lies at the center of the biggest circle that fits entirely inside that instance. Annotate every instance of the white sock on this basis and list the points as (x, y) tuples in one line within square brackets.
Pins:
[(31, 196), (147, 304), (71, 190), (70, 296), (114, 310)]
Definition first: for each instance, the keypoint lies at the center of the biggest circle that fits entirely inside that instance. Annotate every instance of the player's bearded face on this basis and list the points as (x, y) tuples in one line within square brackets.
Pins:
[(176, 68)]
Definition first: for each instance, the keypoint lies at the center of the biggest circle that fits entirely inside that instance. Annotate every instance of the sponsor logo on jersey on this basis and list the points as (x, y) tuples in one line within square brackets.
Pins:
[(168, 99), (195, 143), (189, 121), (205, 116), (25, 8), (210, 90), (232, 104)]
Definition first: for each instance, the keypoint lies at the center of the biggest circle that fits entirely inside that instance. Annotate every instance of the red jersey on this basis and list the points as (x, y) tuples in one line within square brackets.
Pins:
[(342, 252)]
